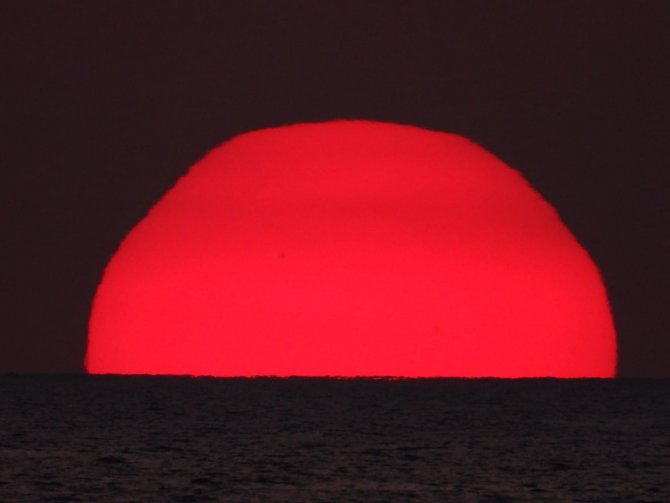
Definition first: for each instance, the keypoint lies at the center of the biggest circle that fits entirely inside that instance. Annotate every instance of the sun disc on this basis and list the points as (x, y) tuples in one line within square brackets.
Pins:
[(352, 248)]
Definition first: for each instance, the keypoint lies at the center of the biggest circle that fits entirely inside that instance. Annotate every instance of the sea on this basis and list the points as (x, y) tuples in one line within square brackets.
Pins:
[(186, 439)]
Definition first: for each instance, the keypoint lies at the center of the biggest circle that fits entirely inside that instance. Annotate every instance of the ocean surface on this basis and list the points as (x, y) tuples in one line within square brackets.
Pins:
[(110, 438)]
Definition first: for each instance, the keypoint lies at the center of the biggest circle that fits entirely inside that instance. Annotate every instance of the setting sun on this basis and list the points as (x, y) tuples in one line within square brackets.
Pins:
[(352, 248)]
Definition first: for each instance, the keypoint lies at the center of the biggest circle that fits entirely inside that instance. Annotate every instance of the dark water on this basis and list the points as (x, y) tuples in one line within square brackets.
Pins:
[(82, 438)]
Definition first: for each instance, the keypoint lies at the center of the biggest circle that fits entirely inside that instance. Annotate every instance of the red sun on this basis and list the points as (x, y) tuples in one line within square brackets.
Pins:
[(352, 248)]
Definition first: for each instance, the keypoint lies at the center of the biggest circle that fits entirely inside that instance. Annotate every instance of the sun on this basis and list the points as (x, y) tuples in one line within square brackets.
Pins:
[(352, 248)]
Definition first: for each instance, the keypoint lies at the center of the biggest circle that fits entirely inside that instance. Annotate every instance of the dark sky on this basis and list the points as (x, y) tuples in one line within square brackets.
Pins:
[(105, 104)]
